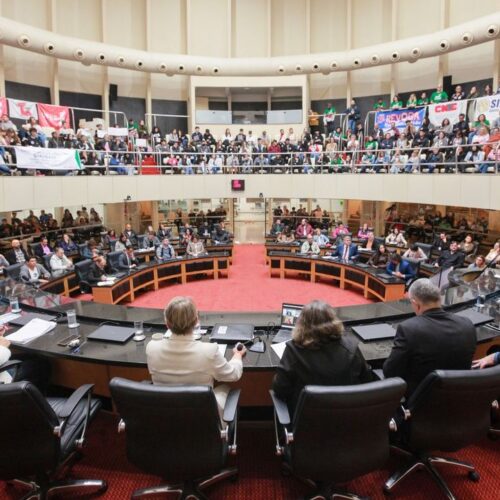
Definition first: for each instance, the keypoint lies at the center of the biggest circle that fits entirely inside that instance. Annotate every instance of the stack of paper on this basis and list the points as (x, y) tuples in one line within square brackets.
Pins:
[(279, 348), (31, 331), (5, 318)]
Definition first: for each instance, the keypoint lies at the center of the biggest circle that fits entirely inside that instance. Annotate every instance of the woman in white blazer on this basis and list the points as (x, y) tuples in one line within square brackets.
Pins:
[(181, 359)]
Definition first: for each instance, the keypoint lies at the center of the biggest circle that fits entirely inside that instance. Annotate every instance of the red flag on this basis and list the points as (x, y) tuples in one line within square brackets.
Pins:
[(52, 116)]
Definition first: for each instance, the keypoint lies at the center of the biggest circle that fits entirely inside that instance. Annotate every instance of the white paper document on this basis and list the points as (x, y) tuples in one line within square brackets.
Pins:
[(31, 330), (5, 318), (222, 348), (279, 348)]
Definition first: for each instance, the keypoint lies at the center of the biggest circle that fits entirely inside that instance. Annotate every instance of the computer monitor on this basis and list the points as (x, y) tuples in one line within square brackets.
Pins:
[(289, 315)]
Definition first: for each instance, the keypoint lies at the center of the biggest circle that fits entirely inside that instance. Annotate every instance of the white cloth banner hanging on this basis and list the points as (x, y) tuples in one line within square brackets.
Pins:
[(489, 106), (47, 159), (22, 109), (118, 131), (450, 110)]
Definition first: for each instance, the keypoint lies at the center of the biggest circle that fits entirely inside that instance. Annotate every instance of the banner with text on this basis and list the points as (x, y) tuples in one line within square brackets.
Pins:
[(22, 109), (3, 106), (385, 119), (489, 106), (47, 159), (53, 116), (450, 110)]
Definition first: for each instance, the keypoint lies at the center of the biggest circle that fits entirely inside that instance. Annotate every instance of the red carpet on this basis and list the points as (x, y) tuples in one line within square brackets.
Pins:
[(260, 477), (249, 288)]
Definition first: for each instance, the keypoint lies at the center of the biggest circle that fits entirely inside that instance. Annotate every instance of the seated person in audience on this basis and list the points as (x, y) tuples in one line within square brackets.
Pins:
[(59, 263), (67, 244), (303, 229), (369, 242), (452, 257), (363, 232), (3, 263), (121, 243), (91, 250), (127, 259), (220, 236), (340, 231), (320, 238), (150, 241), (399, 268), (478, 265), (164, 232), (319, 354), (467, 246), (186, 236), (310, 247), (43, 248), (442, 242), (181, 359), (17, 254), (34, 273), (380, 259), (195, 247), (100, 270), (286, 236), (165, 251), (415, 253), (131, 235), (434, 339), (277, 227), (493, 254), (490, 360), (395, 237), (110, 237), (347, 251)]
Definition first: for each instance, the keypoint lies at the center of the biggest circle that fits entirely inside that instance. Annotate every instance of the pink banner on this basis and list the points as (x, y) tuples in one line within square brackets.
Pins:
[(53, 116), (3, 106)]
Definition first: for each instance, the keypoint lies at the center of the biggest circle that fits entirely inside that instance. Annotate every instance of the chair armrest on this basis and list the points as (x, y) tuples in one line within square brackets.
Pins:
[(281, 409), (231, 405), (74, 400), (12, 364)]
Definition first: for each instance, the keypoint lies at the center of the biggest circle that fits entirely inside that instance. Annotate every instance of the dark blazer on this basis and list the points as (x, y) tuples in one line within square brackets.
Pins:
[(404, 267), (353, 251), (338, 362), (11, 256), (436, 340), (448, 259), (131, 237), (39, 252), (124, 261), (96, 273)]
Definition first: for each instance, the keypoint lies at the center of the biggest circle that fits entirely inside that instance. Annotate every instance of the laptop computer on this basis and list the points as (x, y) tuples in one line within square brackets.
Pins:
[(289, 315), (231, 333), (379, 331), (476, 317), (26, 317), (112, 333)]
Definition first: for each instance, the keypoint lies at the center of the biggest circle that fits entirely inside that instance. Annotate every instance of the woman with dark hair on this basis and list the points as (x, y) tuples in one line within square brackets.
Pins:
[(380, 258), (318, 354)]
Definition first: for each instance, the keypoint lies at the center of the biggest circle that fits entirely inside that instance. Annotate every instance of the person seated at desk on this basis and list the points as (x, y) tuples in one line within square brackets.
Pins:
[(451, 258), (163, 232), (319, 354), (364, 232), (286, 236), (67, 244), (34, 273), (91, 250), (490, 360), (277, 227), (127, 259), (434, 339), (17, 254), (415, 253), (493, 256), (100, 270), (380, 258), (441, 243), (310, 247), (369, 243), (220, 236), (165, 251), (195, 247), (3, 263), (186, 236), (131, 235), (320, 238), (400, 268), (43, 248), (151, 241), (121, 243), (467, 246), (303, 229), (181, 359), (59, 263), (340, 231), (395, 237), (478, 265), (347, 251), (110, 237)]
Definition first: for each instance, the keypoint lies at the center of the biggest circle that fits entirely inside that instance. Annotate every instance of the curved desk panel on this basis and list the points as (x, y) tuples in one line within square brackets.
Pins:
[(367, 279)]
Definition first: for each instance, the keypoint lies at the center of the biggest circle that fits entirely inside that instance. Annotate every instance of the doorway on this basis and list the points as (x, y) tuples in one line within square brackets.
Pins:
[(249, 220)]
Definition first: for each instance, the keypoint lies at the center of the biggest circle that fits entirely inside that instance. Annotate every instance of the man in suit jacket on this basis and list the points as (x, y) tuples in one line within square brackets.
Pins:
[(43, 248), (347, 251), (150, 241), (127, 259), (452, 257), (400, 268), (432, 340), (34, 273), (100, 270), (17, 254), (303, 229), (181, 359), (131, 235)]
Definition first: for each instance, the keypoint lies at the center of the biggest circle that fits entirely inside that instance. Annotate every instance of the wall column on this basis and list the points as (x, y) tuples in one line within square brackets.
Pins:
[(349, 25)]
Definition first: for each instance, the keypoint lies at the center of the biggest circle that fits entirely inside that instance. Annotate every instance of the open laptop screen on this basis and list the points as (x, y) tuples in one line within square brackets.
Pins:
[(289, 315)]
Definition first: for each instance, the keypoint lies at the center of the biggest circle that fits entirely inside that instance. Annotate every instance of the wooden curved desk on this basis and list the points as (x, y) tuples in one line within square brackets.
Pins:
[(366, 279)]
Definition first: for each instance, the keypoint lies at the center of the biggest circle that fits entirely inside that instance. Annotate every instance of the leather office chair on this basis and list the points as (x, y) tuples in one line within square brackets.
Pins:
[(81, 248), (112, 245), (426, 248), (13, 271), (140, 240), (337, 433), (448, 411), (46, 262), (82, 269), (113, 258), (42, 436), (175, 432)]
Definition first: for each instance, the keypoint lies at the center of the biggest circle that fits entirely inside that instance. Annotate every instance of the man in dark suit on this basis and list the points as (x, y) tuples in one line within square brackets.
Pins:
[(347, 251), (131, 235), (432, 340), (100, 270), (400, 268), (127, 259), (43, 248), (17, 254), (451, 258)]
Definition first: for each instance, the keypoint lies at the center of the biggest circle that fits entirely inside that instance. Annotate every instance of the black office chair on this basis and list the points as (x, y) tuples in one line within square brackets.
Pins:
[(112, 245), (337, 433), (42, 436), (140, 240), (82, 269), (175, 432), (13, 271), (113, 258), (81, 248), (448, 411), (426, 248), (46, 262)]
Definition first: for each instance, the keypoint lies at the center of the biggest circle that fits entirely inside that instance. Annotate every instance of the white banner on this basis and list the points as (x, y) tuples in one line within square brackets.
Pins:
[(450, 110), (22, 109), (47, 159), (118, 131), (489, 106)]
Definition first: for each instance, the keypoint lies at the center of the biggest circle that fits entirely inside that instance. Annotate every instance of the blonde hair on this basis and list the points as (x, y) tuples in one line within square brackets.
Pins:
[(317, 325), (181, 315)]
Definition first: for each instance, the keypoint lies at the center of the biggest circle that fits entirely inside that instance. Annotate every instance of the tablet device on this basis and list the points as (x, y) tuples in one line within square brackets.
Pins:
[(476, 317), (379, 331), (112, 333)]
